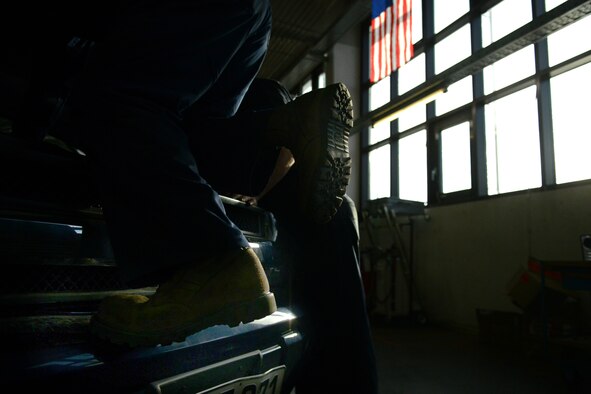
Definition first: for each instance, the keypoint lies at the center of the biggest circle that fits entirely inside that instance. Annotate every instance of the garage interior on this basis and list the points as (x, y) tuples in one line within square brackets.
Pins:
[(475, 252)]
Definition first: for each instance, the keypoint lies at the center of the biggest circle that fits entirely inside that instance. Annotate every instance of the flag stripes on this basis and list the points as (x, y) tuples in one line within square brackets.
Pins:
[(390, 37)]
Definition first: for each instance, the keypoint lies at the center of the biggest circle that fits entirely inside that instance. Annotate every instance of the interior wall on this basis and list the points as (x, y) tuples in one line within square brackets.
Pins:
[(466, 254)]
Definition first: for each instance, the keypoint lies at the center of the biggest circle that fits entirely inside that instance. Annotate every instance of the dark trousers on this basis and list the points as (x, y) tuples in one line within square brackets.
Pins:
[(151, 61), (327, 289)]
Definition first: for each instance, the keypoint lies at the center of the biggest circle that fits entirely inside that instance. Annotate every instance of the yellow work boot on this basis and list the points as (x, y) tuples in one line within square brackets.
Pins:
[(316, 127), (223, 290)]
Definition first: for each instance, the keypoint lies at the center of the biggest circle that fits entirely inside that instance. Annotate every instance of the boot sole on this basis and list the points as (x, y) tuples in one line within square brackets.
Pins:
[(232, 316), (333, 168)]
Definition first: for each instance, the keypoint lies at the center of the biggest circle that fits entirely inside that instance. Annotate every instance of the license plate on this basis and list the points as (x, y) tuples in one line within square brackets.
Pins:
[(266, 383)]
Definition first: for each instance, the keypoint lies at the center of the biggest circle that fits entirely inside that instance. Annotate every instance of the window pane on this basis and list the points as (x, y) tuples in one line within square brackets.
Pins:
[(307, 86), (452, 49), (572, 132), (569, 41), (412, 167), (417, 20), (379, 172), (512, 143), (510, 69), (458, 94), (456, 168), (379, 94), (411, 75), (379, 132), (448, 11), (504, 18), (412, 116), (322, 80), (552, 3)]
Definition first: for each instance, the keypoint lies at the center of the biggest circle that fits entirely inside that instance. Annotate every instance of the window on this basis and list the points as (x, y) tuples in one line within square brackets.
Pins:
[(553, 3), (322, 80), (456, 171), (504, 18), (412, 167), (379, 172), (483, 136), (570, 118), (379, 94), (512, 143), (448, 11), (458, 94), (417, 21), (511, 69), (569, 41), (452, 49), (307, 86), (412, 74), (379, 132), (411, 117)]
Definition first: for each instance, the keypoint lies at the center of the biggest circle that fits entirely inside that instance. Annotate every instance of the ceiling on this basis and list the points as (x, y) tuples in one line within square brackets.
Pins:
[(302, 32)]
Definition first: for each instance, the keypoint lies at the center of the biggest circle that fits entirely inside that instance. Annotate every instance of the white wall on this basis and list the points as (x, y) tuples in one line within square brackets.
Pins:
[(466, 254)]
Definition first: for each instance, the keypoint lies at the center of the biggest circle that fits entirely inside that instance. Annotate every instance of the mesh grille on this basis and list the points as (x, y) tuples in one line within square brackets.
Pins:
[(29, 278)]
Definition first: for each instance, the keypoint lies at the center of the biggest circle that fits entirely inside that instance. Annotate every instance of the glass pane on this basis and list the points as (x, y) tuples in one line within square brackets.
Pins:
[(412, 167), (570, 118), (322, 80), (456, 168), (412, 116), (448, 11), (458, 94), (553, 3), (379, 132), (307, 86), (379, 172), (513, 143), (452, 49), (504, 18), (379, 94), (412, 74), (569, 41), (510, 69), (417, 20)]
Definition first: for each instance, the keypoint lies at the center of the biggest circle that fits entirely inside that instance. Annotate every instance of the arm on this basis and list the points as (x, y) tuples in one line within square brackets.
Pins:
[(284, 162)]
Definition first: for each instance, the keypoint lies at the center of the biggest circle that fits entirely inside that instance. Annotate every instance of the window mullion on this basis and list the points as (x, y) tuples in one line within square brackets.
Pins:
[(544, 104)]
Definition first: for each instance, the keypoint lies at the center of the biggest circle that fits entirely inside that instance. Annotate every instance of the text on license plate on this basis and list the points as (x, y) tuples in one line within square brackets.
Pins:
[(266, 383)]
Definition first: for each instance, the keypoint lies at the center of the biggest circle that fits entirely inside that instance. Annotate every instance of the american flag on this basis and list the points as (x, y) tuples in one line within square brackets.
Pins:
[(390, 34)]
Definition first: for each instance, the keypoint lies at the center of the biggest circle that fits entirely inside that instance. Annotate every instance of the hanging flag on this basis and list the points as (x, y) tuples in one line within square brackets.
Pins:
[(390, 34)]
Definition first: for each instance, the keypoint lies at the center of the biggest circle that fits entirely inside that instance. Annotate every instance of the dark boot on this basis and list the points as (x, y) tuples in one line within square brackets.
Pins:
[(315, 127)]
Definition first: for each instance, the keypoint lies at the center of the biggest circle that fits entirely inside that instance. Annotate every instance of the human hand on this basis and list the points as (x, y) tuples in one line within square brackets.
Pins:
[(249, 200)]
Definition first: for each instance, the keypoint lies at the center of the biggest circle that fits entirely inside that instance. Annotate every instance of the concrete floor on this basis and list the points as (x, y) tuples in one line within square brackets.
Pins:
[(424, 359)]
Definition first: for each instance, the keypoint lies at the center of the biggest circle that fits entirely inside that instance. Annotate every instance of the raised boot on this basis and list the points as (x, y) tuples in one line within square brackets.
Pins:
[(315, 127), (222, 290)]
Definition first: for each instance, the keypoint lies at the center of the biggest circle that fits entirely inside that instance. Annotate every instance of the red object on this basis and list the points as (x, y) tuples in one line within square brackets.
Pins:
[(390, 37)]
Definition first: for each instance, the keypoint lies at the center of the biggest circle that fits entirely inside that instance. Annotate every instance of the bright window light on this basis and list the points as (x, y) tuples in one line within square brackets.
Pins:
[(448, 11), (572, 132), (456, 173), (379, 172), (412, 74), (452, 49), (457, 94), (412, 167), (379, 94), (513, 143), (510, 69), (569, 41), (504, 18)]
